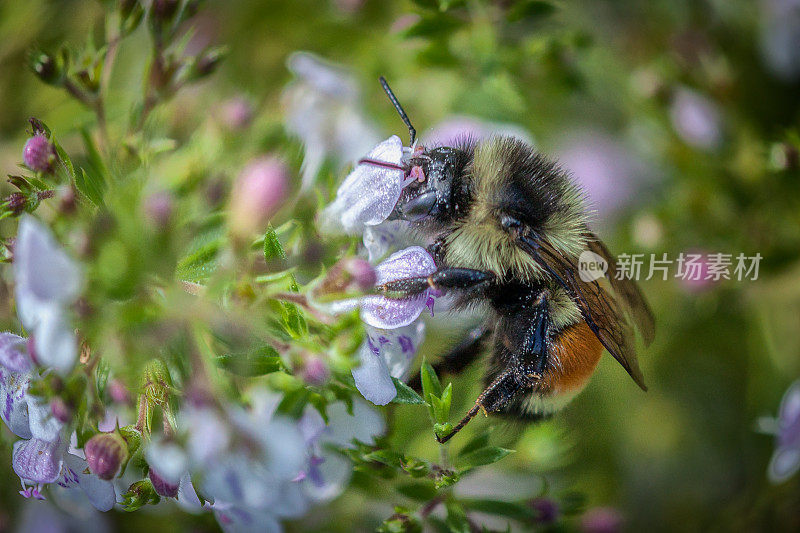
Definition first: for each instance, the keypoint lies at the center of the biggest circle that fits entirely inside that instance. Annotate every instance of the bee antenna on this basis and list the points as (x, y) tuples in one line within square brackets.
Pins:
[(392, 98)]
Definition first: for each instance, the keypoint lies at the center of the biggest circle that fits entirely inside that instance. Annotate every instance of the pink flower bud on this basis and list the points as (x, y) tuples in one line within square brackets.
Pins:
[(118, 392), (158, 208), (601, 520), (162, 486), (105, 454), (39, 154), (363, 274), (236, 114), (61, 411), (315, 371), (257, 195)]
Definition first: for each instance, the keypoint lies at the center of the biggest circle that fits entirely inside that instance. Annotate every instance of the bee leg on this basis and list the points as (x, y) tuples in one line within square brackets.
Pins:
[(493, 398), (522, 348), (442, 279)]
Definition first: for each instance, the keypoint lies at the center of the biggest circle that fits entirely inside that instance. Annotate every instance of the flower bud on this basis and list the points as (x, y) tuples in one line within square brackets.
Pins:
[(118, 392), (315, 371), (162, 486), (61, 411), (16, 203), (45, 67), (158, 208), (546, 510), (105, 453), (39, 154), (257, 195), (349, 274), (236, 114), (601, 520)]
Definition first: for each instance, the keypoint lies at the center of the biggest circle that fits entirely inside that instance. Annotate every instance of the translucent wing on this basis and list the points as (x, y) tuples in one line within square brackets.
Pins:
[(599, 309), (627, 290)]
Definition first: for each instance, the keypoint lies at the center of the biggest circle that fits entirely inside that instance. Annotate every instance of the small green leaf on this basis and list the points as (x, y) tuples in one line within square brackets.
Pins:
[(531, 10), (199, 264), (101, 376), (441, 406), (481, 441), (430, 382), (484, 456), (515, 511), (406, 394), (272, 246), (419, 490), (456, 518), (259, 362), (293, 321), (91, 186)]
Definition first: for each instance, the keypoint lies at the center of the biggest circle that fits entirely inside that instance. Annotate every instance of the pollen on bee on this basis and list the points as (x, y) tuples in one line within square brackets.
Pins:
[(417, 173)]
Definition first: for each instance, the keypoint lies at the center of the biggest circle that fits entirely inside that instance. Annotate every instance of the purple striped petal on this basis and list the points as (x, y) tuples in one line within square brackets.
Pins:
[(13, 353), (390, 313), (13, 407), (37, 461)]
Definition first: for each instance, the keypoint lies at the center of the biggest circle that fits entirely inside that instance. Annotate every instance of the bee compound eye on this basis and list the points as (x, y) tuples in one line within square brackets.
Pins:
[(510, 223)]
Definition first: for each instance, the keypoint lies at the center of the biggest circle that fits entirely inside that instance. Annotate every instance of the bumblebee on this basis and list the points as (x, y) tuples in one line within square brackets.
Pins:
[(507, 227)]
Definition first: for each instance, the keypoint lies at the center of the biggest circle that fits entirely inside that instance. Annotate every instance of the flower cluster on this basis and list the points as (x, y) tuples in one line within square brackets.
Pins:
[(363, 202)]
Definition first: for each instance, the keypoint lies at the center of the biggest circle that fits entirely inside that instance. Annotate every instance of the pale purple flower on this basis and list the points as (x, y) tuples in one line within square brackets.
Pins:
[(457, 128), (328, 472), (236, 113), (47, 282), (74, 475), (247, 462), (605, 169), (383, 355), (786, 460), (780, 37), (696, 119), (323, 109), (388, 235), (390, 313), (15, 367), (369, 193), (159, 208)]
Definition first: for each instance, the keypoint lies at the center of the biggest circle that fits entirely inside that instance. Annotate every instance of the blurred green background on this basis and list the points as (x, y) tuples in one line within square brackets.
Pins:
[(681, 117)]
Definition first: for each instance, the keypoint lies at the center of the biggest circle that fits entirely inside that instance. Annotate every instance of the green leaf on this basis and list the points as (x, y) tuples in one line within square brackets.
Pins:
[(201, 263), (293, 321), (101, 376), (481, 441), (531, 10), (259, 362), (420, 491), (272, 246), (406, 394), (430, 382), (91, 186), (432, 27), (515, 511), (456, 518), (484, 456), (441, 406)]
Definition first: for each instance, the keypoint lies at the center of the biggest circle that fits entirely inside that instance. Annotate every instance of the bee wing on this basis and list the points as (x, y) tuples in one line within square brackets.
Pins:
[(627, 290), (599, 309)]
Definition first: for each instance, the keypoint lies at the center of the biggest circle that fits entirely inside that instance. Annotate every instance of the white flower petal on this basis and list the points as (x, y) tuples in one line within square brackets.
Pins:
[(234, 519), (187, 496), (55, 343), (168, 460), (37, 461), (45, 274), (363, 425), (784, 464), (14, 354), (335, 472), (368, 194), (372, 377), (790, 406), (43, 424), (13, 405), (100, 493)]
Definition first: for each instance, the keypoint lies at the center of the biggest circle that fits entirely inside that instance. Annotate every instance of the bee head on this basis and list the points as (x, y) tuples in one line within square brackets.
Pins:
[(436, 181)]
